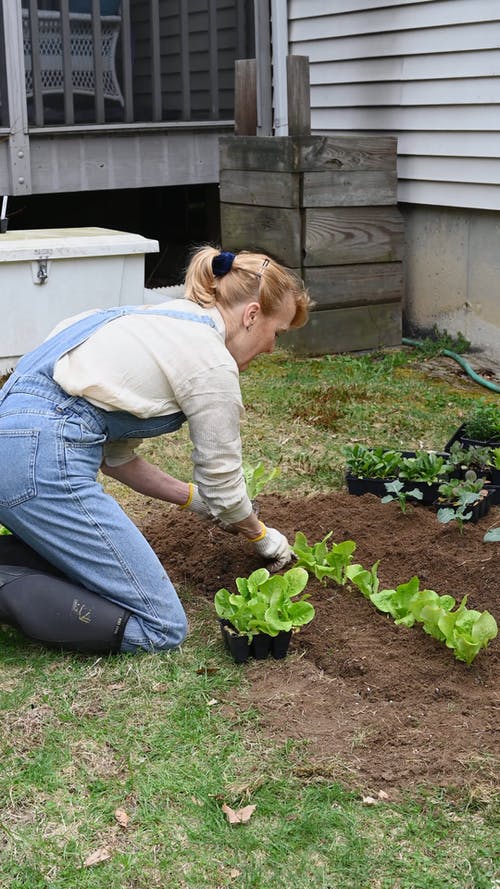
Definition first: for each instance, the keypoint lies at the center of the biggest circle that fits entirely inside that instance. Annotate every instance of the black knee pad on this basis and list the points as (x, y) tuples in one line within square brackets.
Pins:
[(59, 613)]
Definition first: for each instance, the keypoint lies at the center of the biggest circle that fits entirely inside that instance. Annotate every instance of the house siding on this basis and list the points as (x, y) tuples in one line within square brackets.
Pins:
[(427, 72)]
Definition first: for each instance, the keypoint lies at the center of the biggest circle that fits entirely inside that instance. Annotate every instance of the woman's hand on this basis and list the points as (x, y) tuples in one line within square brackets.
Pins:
[(273, 547)]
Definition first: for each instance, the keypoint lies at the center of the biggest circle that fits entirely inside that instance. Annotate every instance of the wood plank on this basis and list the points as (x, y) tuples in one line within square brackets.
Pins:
[(298, 96), (245, 97), (350, 235), (347, 153), (276, 231), (260, 189), (352, 329), (308, 153), (355, 285), (350, 189)]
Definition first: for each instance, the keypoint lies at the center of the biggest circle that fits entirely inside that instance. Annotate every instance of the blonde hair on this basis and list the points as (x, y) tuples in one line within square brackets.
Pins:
[(250, 276)]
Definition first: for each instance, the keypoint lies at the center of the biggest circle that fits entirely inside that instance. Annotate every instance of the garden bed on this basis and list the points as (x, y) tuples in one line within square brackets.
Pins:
[(381, 704)]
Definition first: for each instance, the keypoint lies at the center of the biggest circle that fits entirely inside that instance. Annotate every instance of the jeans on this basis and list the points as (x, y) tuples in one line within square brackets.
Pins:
[(50, 454)]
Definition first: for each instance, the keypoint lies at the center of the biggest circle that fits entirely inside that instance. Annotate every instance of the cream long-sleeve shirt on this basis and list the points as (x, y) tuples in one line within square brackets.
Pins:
[(151, 365)]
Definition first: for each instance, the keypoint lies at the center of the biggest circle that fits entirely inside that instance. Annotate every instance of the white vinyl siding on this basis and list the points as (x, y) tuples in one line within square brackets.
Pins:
[(427, 72)]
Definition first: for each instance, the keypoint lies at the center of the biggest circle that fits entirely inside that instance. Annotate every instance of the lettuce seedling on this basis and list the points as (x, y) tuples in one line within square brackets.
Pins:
[(396, 602), (407, 604), (257, 477), (366, 580), (492, 536), (266, 603), (323, 562), (467, 631), (425, 466), (364, 462), (4, 530)]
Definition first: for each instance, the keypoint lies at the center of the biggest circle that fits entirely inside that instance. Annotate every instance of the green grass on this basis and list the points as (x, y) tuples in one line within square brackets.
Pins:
[(166, 738)]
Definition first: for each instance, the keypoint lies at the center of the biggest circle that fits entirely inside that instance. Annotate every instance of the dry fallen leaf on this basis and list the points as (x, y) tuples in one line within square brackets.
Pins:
[(240, 816), (382, 794), (122, 817), (97, 857), (369, 801)]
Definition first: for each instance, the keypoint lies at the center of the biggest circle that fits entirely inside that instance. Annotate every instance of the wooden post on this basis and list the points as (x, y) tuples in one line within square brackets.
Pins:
[(245, 97), (299, 96)]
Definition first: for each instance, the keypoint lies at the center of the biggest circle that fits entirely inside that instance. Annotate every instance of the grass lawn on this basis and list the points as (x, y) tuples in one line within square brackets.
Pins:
[(115, 770)]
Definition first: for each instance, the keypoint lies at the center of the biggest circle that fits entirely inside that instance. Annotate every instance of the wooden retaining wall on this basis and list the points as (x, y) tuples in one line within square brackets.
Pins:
[(326, 207)]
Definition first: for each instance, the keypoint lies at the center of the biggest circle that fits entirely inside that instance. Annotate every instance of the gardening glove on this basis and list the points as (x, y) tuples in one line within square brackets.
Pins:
[(273, 547), (196, 504)]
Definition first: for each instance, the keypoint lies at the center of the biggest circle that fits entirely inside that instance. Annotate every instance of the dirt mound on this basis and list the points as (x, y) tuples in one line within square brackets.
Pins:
[(379, 705)]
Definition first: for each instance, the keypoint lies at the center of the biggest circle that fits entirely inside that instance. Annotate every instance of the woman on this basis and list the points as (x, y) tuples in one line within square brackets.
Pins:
[(83, 401)]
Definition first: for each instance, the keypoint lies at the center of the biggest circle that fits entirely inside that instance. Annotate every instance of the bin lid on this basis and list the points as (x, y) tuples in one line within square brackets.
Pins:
[(66, 243)]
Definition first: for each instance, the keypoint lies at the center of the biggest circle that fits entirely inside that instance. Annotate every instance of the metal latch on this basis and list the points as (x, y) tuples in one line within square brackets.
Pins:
[(40, 270)]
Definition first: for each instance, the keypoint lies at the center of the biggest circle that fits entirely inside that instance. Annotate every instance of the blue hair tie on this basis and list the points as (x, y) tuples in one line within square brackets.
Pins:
[(221, 264)]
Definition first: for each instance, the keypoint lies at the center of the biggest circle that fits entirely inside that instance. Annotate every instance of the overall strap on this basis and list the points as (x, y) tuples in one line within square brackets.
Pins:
[(44, 357)]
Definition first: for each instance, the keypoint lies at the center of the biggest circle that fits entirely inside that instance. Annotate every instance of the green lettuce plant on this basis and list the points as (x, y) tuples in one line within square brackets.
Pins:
[(364, 462), (257, 477), (325, 563), (425, 466), (492, 536), (266, 603), (365, 579), (4, 530), (467, 631)]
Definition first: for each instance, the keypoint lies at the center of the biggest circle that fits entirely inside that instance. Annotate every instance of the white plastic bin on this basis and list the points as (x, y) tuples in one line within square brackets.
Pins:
[(49, 274)]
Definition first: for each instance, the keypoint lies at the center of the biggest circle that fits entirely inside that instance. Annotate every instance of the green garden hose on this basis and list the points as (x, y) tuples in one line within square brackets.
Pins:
[(462, 362)]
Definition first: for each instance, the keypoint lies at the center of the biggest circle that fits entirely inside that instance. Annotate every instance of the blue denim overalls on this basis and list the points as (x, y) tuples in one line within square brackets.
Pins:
[(50, 453)]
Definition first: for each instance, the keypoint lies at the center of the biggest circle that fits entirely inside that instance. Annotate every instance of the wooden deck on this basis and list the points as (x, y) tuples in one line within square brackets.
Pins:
[(108, 94)]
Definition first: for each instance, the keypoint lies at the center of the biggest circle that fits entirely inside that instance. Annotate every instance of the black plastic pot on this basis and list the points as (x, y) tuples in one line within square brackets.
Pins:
[(237, 645), (479, 509), (280, 644), (461, 437), (360, 486), (260, 647)]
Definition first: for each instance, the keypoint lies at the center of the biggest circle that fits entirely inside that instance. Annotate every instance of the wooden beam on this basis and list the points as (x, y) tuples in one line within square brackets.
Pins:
[(352, 329), (263, 54), (245, 97), (351, 235), (299, 96)]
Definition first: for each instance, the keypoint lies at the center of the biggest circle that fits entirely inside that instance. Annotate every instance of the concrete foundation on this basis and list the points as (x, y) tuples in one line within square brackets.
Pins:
[(452, 273)]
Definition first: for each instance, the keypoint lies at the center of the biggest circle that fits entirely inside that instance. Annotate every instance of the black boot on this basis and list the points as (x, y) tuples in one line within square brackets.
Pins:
[(59, 613)]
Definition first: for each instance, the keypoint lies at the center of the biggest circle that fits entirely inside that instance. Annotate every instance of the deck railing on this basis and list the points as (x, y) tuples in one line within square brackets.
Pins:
[(130, 61)]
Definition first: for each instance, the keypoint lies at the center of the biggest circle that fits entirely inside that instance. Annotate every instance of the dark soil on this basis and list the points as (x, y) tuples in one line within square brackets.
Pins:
[(380, 706)]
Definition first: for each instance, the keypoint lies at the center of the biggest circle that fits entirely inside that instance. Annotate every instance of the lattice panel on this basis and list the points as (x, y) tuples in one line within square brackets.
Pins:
[(82, 54)]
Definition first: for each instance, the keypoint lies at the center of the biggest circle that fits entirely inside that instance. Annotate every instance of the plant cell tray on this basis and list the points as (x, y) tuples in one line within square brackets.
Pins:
[(479, 510), (460, 436), (259, 648), (360, 486)]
